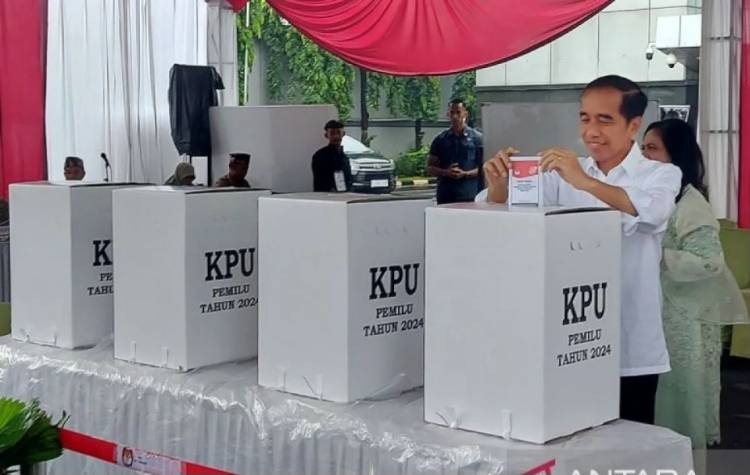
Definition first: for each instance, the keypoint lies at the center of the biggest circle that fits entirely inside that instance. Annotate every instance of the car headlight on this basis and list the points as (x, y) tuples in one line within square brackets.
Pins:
[(354, 166)]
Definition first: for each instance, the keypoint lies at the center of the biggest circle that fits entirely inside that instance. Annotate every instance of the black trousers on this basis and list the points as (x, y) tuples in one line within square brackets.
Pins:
[(638, 398)]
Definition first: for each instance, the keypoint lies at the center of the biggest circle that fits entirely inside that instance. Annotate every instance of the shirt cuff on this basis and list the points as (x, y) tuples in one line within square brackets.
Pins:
[(641, 201), (481, 197)]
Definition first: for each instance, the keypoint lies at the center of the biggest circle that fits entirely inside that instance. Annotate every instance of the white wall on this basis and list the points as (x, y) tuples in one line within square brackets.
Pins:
[(612, 42), (280, 139), (393, 141)]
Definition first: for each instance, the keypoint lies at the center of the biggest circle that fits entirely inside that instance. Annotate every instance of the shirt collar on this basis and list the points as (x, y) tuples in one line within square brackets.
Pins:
[(335, 150), (630, 164), (465, 133)]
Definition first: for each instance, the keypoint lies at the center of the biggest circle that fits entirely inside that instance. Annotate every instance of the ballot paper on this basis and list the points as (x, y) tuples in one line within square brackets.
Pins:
[(525, 185)]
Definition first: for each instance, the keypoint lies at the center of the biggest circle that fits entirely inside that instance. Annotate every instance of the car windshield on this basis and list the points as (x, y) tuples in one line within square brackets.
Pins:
[(353, 146)]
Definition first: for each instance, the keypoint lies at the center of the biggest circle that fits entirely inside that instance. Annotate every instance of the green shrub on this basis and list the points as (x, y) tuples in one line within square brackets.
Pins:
[(412, 162)]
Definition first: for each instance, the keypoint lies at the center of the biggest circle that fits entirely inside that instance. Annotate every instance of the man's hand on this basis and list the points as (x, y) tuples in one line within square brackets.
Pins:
[(565, 163), (496, 171), (455, 172)]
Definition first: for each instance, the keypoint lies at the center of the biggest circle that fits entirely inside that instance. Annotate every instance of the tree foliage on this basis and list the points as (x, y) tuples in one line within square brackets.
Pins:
[(465, 88), (297, 69)]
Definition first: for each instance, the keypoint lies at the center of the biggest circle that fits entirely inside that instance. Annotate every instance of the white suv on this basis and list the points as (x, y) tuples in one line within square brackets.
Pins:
[(371, 172)]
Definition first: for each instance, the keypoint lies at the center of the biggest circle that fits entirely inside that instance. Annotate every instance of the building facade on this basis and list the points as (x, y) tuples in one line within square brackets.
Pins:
[(613, 42)]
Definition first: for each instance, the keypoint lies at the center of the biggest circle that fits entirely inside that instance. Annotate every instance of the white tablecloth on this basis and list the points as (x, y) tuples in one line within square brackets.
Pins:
[(219, 417)]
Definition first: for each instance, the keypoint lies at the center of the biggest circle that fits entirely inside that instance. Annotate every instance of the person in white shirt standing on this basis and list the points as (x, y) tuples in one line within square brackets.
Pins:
[(619, 176)]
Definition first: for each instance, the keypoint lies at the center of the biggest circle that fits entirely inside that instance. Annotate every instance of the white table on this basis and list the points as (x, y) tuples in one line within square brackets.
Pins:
[(219, 417)]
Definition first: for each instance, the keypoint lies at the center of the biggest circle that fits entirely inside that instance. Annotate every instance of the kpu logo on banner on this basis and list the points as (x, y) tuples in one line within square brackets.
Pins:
[(220, 265), (633, 471), (575, 308), (385, 280)]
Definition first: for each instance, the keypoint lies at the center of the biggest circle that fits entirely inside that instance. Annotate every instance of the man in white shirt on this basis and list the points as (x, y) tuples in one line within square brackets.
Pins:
[(616, 175)]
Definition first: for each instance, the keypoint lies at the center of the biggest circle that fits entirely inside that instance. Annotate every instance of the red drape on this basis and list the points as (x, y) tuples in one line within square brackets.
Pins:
[(22, 58), (744, 179), (237, 5), (420, 37)]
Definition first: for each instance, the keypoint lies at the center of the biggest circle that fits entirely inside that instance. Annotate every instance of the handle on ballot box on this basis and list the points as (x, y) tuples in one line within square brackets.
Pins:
[(387, 391), (282, 380), (576, 246), (164, 357), (507, 418), (449, 417), (319, 385), (39, 341), (390, 390), (452, 419), (580, 246)]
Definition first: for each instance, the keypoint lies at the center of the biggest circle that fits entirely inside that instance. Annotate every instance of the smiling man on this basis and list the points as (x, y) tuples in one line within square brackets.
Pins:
[(616, 175)]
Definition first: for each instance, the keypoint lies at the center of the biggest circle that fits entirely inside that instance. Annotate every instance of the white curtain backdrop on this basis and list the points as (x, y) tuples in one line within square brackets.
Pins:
[(719, 102), (108, 67)]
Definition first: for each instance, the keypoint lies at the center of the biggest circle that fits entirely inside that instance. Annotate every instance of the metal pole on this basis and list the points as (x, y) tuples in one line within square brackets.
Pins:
[(365, 115)]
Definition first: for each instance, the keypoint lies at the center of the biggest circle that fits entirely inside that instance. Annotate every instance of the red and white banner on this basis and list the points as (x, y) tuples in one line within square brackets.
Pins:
[(136, 459), (152, 463)]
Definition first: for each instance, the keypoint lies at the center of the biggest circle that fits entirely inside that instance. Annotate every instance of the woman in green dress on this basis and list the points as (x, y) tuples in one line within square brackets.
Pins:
[(699, 293)]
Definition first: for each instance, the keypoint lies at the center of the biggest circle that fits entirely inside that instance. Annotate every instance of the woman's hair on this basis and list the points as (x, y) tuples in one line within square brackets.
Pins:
[(679, 140)]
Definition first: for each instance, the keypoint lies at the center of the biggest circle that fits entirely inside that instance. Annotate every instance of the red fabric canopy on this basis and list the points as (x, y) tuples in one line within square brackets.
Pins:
[(432, 37), (744, 178), (22, 32), (236, 5)]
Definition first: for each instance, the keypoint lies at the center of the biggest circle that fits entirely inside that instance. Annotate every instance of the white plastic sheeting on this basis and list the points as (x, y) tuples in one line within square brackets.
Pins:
[(107, 79), (218, 417)]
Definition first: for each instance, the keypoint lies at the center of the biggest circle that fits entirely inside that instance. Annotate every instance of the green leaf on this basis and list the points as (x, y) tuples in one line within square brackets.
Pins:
[(14, 422), (27, 434)]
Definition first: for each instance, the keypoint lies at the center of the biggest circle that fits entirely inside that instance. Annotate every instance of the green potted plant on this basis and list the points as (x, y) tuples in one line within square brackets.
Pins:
[(27, 436)]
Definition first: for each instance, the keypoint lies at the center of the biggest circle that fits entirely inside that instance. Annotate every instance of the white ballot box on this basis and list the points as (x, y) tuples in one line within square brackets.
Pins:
[(187, 275), (341, 295), (522, 328), (61, 262)]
